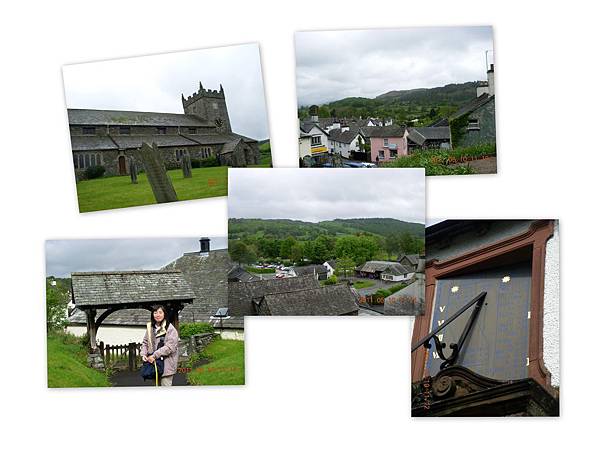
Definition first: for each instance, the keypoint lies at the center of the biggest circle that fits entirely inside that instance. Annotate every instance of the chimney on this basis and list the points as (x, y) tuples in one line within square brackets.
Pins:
[(490, 77), (314, 113), (204, 245)]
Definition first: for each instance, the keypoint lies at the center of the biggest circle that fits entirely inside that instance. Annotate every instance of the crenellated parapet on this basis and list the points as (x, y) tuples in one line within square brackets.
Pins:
[(203, 93)]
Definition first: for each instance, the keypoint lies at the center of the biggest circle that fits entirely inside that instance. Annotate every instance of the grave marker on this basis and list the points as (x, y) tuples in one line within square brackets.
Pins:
[(159, 180)]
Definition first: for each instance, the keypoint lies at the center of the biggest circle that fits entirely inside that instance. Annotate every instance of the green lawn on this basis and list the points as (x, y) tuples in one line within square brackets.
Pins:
[(226, 366), (363, 284), (118, 192), (67, 364), (260, 269)]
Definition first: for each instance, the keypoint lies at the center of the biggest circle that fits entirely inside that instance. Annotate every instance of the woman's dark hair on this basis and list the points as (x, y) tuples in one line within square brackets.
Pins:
[(165, 310)]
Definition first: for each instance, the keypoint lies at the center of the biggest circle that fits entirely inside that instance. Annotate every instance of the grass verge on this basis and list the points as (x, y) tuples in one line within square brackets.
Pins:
[(226, 366)]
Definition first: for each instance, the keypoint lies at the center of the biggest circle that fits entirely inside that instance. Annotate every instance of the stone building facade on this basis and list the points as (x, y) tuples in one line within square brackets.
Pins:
[(109, 138)]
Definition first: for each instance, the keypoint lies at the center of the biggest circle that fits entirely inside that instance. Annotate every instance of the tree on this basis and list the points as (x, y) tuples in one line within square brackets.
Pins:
[(285, 249), (241, 252), (297, 253), (344, 267), (57, 299)]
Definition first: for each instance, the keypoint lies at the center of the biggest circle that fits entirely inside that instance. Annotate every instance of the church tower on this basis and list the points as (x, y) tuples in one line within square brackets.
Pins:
[(209, 105)]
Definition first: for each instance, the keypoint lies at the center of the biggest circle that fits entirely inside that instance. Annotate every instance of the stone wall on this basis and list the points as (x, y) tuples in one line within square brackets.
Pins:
[(487, 127), (194, 344)]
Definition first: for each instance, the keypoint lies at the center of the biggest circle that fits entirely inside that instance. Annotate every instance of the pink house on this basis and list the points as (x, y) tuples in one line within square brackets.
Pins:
[(388, 143)]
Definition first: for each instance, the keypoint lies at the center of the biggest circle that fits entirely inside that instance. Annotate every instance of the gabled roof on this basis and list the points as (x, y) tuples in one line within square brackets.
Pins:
[(104, 117), (391, 131), (239, 274), (310, 270), (420, 135), (412, 259), (380, 266), (345, 137), (161, 140), (333, 300), (104, 289), (230, 146), (471, 106), (242, 295), (222, 138), (332, 263), (307, 126)]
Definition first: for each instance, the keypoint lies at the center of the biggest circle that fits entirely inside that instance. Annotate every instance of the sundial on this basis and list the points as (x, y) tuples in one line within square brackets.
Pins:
[(497, 344)]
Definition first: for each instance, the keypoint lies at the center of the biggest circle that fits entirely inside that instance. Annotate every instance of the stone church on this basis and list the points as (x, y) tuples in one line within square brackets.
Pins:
[(108, 138)]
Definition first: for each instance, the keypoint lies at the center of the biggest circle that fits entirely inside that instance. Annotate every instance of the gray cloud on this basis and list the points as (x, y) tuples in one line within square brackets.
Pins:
[(331, 65), (91, 255), (323, 194), (156, 82)]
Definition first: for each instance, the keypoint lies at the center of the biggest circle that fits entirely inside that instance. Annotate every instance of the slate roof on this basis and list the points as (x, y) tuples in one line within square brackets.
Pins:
[(380, 266), (239, 274), (407, 301), (344, 137), (391, 131), (334, 300), (230, 146), (396, 270), (102, 289), (413, 259), (222, 138), (420, 135), (332, 263), (92, 143), (471, 106), (243, 294), (112, 117), (310, 270), (307, 126), (161, 140)]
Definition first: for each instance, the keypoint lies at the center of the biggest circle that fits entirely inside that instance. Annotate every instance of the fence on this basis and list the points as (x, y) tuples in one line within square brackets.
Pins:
[(116, 354)]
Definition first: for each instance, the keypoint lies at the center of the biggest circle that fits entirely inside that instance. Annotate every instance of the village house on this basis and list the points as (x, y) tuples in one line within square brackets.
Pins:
[(330, 266), (388, 143), (494, 286), (384, 270), (318, 271), (475, 122), (429, 138), (410, 261), (109, 138)]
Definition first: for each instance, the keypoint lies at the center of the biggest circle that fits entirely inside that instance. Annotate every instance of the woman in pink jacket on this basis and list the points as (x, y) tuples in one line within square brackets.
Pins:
[(165, 340)]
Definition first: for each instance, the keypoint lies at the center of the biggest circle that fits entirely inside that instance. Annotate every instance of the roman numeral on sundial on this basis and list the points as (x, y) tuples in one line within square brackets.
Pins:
[(440, 322), (442, 308)]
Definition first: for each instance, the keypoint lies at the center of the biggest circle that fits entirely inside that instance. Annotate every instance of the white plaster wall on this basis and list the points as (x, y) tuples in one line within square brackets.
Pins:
[(304, 143), (112, 335), (552, 307)]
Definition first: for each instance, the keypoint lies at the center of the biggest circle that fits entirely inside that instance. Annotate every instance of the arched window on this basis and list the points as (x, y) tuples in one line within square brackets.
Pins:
[(81, 162), (87, 160), (75, 159), (99, 159), (93, 159)]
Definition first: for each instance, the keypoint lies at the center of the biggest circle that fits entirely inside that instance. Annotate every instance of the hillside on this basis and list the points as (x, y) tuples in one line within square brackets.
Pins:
[(281, 228), (424, 104)]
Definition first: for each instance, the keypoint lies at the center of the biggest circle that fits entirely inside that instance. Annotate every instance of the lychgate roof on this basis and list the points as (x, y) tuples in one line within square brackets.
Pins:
[(104, 289)]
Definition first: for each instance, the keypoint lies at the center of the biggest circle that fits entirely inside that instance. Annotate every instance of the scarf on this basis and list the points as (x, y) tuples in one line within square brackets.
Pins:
[(161, 329)]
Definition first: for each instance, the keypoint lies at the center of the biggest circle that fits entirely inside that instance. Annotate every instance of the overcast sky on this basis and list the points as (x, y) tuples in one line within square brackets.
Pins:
[(313, 195), (155, 83), (331, 65), (94, 255)]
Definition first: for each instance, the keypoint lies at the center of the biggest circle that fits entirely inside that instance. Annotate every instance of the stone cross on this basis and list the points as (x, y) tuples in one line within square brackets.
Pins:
[(159, 180), (186, 165), (133, 171)]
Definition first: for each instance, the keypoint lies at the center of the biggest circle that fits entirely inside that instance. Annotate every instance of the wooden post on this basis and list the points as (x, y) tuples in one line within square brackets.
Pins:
[(91, 329), (131, 351)]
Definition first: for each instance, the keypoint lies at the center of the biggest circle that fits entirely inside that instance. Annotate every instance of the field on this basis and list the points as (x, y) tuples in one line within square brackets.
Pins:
[(118, 192), (226, 366), (67, 364)]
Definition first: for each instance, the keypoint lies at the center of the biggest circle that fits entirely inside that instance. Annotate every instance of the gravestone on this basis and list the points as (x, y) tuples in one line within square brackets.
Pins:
[(159, 180), (133, 171), (186, 165)]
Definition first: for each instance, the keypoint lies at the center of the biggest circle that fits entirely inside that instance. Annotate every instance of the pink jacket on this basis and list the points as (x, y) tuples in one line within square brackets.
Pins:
[(168, 352)]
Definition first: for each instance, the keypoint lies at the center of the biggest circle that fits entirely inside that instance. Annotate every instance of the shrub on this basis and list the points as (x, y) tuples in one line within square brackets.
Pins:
[(94, 172), (382, 293), (331, 280), (396, 288), (189, 329), (211, 161)]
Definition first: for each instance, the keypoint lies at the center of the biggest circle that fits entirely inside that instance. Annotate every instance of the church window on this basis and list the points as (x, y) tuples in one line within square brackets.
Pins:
[(75, 160), (89, 131), (125, 130), (192, 130), (81, 162), (92, 159), (87, 160), (161, 130), (215, 106)]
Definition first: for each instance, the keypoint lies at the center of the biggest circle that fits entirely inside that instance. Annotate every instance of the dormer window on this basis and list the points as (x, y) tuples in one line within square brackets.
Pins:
[(89, 131), (473, 125), (161, 130), (125, 130), (192, 130)]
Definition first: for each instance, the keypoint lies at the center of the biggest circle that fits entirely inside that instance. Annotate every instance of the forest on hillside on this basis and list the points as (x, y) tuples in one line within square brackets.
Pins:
[(360, 240)]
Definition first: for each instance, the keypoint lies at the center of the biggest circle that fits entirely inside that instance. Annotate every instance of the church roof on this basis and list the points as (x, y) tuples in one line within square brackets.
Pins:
[(161, 140), (92, 143), (111, 117)]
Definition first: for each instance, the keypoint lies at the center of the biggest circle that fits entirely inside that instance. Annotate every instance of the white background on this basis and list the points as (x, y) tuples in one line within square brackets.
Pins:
[(310, 383)]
